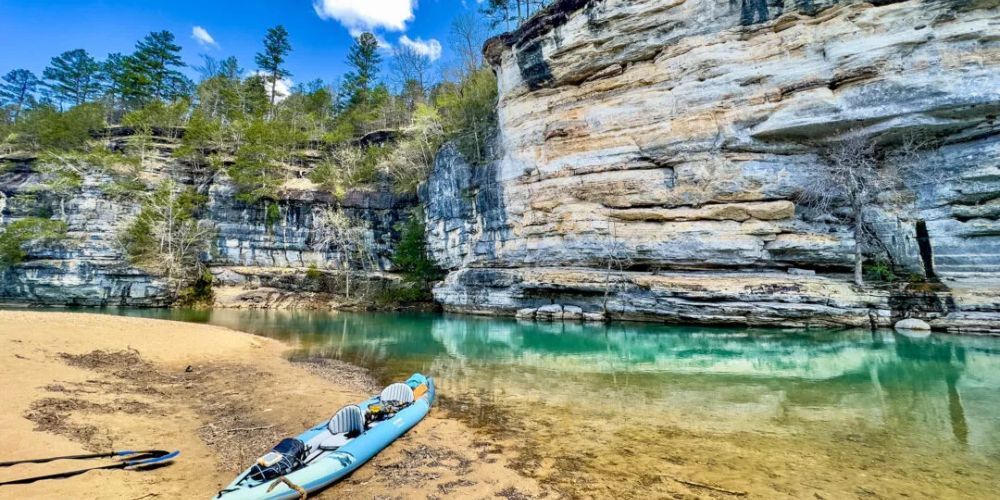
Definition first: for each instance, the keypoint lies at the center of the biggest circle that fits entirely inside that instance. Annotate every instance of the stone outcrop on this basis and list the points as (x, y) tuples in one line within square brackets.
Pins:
[(651, 154), (255, 263)]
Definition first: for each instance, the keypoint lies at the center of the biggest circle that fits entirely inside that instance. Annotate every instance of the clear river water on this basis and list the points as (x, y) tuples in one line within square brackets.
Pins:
[(624, 409)]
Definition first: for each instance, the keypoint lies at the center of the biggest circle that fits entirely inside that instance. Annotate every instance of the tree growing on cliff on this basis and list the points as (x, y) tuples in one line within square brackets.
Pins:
[(410, 256), (511, 13), (467, 36), (364, 60), (351, 239), (259, 168), (153, 72), (860, 175), (166, 238), (615, 262), (409, 70), (17, 88), (74, 77), (272, 60), (469, 112), (19, 236), (409, 163)]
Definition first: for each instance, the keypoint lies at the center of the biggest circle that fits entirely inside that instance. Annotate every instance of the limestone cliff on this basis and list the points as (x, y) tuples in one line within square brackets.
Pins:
[(256, 262), (651, 153)]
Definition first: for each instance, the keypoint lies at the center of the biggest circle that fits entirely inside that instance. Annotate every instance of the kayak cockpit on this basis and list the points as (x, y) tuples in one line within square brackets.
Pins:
[(333, 448)]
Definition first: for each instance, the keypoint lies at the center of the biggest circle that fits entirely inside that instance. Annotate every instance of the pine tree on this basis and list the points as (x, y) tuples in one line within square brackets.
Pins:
[(116, 80), (17, 88), (276, 48), (155, 69), (74, 77), (255, 97), (364, 59)]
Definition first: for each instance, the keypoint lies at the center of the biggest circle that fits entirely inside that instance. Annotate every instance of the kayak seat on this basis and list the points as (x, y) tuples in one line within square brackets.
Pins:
[(349, 420), (397, 393), (346, 424)]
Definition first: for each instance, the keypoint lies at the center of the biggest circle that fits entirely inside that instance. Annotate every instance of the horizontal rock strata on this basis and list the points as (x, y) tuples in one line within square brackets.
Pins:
[(652, 136)]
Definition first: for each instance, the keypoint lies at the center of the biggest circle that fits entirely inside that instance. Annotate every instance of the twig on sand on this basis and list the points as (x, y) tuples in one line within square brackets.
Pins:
[(147, 495), (248, 429), (709, 487)]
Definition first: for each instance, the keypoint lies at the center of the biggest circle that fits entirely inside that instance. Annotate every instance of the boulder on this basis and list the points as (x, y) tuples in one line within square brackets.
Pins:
[(552, 312), (912, 324), (526, 313), (572, 313), (801, 272)]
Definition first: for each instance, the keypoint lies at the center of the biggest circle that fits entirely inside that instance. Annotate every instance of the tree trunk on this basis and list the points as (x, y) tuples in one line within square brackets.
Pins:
[(274, 88), (859, 258)]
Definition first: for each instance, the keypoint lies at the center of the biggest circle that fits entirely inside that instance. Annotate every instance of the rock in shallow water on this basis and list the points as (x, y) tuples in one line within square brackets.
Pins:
[(553, 312), (572, 313), (912, 324)]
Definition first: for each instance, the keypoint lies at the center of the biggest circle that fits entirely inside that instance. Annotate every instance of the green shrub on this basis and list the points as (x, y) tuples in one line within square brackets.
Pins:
[(20, 234), (469, 112), (272, 215), (411, 257), (394, 295), (201, 139), (313, 273), (123, 188), (259, 170), (879, 271), (46, 129), (199, 293)]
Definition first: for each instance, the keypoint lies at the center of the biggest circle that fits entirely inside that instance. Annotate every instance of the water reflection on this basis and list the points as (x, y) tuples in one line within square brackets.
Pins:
[(918, 391)]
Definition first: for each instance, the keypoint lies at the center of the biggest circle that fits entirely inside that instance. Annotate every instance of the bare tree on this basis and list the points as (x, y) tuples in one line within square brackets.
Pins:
[(408, 65), (410, 162), (352, 238), (467, 37), (166, 238), (859, 175), (616, 261)]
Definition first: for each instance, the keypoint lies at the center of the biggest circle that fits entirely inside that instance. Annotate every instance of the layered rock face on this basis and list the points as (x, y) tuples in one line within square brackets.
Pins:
[(256, 263), (652, 154), (85, 270)]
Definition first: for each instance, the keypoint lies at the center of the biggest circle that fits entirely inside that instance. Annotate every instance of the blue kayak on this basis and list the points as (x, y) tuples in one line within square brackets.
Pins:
[(332, 449)]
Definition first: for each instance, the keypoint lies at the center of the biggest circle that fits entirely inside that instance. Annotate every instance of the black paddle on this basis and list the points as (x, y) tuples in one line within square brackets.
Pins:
[(136, 460)]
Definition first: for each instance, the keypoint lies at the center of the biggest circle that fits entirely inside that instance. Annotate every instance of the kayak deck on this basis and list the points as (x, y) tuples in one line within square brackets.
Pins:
[(330, 455)]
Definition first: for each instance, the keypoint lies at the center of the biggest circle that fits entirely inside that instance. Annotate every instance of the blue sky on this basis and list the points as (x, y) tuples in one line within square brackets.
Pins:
[(32, 31)]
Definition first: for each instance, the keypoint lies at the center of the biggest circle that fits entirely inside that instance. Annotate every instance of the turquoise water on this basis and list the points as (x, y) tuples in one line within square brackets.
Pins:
[(589, 408)]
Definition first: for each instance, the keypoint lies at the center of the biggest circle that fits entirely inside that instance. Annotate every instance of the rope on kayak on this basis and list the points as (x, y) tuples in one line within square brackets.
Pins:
[(303, 494)]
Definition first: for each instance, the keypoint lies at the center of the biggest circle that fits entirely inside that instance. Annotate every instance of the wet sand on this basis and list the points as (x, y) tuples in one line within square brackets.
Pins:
[(77, 383)]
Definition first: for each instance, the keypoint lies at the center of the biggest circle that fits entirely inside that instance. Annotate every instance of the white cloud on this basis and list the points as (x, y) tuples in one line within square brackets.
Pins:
[(203, 37), (283, 88), (367, 14), (430, 49)]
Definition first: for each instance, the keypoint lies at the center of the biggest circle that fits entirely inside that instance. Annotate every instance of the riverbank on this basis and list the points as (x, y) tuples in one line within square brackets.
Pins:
[(75, 383)]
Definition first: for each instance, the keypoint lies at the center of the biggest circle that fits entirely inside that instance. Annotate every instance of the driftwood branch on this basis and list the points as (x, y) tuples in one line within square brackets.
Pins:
[(709, 487)]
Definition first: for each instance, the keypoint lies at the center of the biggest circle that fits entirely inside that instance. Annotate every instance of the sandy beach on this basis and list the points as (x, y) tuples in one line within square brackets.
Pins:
[(77, 383)]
